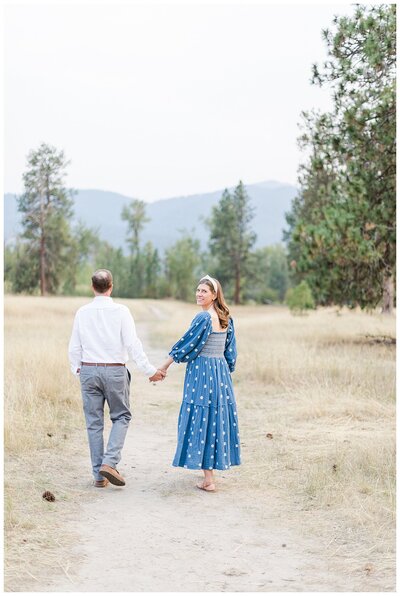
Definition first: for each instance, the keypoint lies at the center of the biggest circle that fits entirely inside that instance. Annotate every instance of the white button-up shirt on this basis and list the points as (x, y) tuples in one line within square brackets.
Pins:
[(104, 331)]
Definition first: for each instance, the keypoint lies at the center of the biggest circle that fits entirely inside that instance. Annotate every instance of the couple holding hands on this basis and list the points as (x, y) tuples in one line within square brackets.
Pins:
[(104, 339)]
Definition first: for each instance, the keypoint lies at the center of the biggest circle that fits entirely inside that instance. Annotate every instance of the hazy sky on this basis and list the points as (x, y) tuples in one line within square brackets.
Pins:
[(155, 101)]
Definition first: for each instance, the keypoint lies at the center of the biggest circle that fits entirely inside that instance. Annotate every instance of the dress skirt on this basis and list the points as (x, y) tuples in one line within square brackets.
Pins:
[(208, 432)]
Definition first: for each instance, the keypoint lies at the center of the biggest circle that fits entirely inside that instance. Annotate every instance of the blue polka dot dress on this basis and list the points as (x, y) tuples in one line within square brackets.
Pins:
[(208, 432)]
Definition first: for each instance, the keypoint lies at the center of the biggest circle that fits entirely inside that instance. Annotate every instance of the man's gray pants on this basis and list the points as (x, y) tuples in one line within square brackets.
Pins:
[(109, 384)]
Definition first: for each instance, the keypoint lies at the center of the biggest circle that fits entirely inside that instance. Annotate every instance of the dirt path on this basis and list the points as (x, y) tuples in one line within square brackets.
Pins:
[(148, 537), (160, 534)]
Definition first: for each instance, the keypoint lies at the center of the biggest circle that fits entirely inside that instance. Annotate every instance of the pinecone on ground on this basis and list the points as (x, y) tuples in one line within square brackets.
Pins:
[(48, 496)]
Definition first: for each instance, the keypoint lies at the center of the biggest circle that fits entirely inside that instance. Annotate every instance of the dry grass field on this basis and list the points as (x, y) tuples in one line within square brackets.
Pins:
[(316, 398)]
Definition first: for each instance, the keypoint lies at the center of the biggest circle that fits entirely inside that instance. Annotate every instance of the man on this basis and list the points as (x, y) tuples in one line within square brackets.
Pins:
[(103, 339)]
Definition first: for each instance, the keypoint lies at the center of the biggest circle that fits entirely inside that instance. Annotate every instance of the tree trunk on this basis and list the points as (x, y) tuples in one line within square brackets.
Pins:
[(237, 286), (43, 288), (42, 267), (388, 295)]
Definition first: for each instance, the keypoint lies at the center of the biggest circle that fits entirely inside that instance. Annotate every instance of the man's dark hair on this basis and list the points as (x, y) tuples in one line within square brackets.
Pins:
[(102, 280)]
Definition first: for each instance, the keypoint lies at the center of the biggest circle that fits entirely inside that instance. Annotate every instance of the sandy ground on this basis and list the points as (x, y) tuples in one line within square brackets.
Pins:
[(160, 534)]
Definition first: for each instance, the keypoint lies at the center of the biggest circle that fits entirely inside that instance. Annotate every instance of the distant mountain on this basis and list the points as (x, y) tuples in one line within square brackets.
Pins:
[(169, 217)]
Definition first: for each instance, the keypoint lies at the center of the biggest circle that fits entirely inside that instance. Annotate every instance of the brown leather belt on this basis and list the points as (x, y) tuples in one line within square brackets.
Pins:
[(102, 364)]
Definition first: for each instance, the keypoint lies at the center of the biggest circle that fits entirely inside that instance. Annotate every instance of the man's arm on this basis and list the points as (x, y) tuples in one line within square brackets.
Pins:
[(75, 348), (134, 346)]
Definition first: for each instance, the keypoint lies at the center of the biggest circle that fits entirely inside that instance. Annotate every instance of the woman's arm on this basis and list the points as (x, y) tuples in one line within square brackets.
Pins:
[(191, 343), (166, 364), (230, 347)]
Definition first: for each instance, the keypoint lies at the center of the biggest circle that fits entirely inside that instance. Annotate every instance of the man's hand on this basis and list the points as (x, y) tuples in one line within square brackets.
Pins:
[(158, 376)]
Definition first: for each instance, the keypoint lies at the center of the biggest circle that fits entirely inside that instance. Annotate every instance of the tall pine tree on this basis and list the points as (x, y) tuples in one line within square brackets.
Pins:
[(231, 238), (342, 224), (46, 208)]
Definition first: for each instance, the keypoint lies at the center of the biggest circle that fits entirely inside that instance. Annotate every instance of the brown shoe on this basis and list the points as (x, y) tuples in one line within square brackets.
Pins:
[(112, 475), (101, 483)]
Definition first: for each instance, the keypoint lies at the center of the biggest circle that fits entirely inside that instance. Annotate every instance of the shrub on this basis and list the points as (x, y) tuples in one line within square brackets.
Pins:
[(300, 298)]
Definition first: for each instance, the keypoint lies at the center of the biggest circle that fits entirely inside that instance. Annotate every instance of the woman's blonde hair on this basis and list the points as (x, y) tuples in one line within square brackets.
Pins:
[(219, 302)]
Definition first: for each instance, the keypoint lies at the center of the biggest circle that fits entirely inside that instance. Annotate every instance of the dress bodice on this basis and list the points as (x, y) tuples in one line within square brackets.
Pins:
[(201, 339), (215, 345)]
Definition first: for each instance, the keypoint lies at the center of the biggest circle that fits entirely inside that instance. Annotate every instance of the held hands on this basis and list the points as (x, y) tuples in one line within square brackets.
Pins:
[(158, 376), (162, 371)]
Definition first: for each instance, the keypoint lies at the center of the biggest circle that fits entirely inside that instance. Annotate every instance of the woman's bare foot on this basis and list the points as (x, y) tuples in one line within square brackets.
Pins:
[(209, 487), (208, 482)]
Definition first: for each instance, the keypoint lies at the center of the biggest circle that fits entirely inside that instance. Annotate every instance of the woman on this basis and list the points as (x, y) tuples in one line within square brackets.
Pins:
[(208, 433)]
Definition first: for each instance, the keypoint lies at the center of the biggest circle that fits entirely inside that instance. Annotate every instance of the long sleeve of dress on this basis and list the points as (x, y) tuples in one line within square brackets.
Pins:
[(188, 347), (230, 347)]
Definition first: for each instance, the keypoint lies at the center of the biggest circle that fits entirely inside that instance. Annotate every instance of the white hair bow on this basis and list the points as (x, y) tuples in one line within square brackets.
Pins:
[(212, 280)]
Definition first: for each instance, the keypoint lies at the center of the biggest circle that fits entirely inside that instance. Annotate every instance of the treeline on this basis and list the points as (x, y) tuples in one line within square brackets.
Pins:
[(52, 256)]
